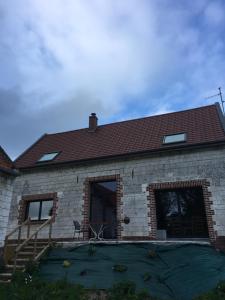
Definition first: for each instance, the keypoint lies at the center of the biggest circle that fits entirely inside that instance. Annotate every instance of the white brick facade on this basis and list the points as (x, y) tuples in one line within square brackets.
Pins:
[(5, 201), (136, 175)]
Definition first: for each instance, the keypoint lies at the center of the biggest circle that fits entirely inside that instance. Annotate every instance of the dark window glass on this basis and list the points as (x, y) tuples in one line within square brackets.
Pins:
[(103, 207), (181, 212), (46, 210), (39, 210), (33, 212)]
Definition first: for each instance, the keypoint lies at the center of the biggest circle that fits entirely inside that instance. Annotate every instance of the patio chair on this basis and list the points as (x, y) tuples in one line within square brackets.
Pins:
[(78, 228)]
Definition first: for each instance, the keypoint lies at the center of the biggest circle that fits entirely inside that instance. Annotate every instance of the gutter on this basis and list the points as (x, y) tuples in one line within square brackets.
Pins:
[(12, 172)]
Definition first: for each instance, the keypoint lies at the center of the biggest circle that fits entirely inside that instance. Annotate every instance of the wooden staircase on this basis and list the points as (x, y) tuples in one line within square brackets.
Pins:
[(17, 253)]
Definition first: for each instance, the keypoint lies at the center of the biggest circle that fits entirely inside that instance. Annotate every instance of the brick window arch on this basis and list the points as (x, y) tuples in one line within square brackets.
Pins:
[(204, 184)]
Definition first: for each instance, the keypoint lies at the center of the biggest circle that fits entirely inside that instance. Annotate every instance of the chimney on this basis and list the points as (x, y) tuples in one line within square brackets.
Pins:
[(93, 122)]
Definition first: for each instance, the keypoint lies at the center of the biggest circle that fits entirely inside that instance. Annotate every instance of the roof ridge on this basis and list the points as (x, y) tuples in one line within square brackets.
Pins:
[(137, 119)]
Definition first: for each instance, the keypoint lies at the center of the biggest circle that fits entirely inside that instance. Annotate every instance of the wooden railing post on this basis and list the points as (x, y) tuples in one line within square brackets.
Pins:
[(35, 244), (5, 258), (28, 228), (50, 233), (19, 234), (15, 258)]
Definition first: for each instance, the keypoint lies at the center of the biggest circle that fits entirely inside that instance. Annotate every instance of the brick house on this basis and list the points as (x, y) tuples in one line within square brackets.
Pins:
[(159, 177), (6, 179)]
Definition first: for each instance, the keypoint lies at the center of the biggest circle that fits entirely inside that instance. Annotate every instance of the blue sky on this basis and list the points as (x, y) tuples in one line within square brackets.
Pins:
[(60, 60)]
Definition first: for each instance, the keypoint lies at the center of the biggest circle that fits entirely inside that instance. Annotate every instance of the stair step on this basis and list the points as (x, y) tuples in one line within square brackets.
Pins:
[(25, 253), (30, 243), (5, 275), (32, 247), (20, 267), (22, 261), (5, 281)]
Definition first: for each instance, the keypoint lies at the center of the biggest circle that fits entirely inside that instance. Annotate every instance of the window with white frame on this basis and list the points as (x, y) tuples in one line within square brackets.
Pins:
[(174, 138)]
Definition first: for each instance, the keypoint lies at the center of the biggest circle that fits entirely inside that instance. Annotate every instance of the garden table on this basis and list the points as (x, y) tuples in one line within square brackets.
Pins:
[(97, 228)]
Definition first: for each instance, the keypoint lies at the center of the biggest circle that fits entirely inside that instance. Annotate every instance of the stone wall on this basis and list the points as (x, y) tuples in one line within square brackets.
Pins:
[(136, 175), (5, 200)]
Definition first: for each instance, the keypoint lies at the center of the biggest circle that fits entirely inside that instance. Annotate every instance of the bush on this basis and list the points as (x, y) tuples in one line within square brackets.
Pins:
[(27, 286), (216, 294), (23, 287), (126, 290)]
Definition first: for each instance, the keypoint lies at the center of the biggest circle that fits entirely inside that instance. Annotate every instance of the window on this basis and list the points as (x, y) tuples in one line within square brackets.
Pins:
[(39, 210), (174, 138), (48, 156), (181, 212)]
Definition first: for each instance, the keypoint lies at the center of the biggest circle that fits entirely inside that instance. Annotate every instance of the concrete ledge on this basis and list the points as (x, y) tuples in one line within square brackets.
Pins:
[(68, 244)]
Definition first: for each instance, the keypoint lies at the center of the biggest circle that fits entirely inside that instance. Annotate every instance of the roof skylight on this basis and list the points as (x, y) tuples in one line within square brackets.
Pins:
[(48, 156), (174, 138)]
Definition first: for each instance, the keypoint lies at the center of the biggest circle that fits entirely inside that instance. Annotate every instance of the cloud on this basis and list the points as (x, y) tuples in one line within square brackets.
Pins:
[(215, 14), (63, 59)]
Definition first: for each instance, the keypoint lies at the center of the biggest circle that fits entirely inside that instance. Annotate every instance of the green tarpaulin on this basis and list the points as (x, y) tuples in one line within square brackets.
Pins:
[(166, 271)]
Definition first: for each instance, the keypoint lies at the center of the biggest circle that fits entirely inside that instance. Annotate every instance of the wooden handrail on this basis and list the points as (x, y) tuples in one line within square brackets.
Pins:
[(36, 255), (15, 229), (34, 234)]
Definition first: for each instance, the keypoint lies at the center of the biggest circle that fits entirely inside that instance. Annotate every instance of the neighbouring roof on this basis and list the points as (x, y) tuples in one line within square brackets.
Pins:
[(203, 126), (5, 161), (6, 164)]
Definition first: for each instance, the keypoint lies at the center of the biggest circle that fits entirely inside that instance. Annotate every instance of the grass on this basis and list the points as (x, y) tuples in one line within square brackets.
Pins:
[(26, 286)]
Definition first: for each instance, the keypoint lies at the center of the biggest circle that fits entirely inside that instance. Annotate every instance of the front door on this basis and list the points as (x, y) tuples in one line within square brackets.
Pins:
[(103, 207)]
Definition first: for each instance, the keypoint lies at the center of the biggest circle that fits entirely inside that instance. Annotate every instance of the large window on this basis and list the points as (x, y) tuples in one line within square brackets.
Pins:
[(39, 209), (181, 212)]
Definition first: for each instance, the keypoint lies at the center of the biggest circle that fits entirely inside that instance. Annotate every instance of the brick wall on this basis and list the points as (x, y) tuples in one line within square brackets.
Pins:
[(135, 175)]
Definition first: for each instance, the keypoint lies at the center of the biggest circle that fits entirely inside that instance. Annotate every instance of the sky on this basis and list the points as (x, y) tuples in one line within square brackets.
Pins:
[(61, 60)]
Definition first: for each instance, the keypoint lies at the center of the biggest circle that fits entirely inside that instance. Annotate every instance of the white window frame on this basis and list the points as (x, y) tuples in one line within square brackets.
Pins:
[(183, 134)]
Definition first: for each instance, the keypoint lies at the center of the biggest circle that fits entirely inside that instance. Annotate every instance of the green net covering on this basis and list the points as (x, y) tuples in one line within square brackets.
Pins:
[(166, 271)]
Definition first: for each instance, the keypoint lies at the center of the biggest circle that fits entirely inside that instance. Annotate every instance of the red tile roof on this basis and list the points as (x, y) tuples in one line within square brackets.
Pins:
[(202, 125), (5, 161)]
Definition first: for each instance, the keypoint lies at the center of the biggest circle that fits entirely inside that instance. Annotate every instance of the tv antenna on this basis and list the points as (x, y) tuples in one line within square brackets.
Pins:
[(221, 97)]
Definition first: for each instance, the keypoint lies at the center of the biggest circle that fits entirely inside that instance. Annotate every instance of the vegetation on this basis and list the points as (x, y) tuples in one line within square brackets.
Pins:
[(216, 294), (119, 268), (92, 250), (29, 286), (25, 287), (147, 276), (126, 290), (152, 254)]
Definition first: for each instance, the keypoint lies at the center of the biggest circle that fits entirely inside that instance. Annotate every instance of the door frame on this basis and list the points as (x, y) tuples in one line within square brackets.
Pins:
[(87, 200)]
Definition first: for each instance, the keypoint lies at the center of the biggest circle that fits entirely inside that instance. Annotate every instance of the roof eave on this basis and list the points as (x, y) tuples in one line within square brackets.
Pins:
[(10, 172), (166, 149)]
